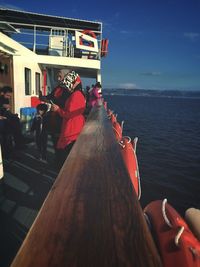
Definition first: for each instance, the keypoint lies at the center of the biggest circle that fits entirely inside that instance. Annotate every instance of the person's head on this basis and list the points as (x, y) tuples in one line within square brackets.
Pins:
[(87, 88), (98, 84), (41, 109), (72, 82), (6, 91)]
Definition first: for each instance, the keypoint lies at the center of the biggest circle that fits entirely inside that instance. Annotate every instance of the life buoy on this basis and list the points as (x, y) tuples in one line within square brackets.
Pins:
[(88, 43), (117, 130), (104, 47), (176, 243), (90, 33), (130, 160)]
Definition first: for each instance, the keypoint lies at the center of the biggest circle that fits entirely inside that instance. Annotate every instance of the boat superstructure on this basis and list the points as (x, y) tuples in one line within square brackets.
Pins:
[(34, 47)]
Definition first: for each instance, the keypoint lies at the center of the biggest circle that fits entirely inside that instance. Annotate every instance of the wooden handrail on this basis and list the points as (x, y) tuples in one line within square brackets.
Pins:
[(91, 216)]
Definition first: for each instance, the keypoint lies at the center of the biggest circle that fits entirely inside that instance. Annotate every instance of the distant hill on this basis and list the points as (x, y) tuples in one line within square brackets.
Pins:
[(150, 93)]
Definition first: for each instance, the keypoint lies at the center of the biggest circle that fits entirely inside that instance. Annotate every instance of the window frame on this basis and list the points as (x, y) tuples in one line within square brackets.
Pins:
[(37, 83), (27, 79)]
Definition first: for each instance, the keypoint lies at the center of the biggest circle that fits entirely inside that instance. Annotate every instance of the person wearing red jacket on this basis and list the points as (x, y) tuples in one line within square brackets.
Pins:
[(58, 96), (72, 114), (94, 95)]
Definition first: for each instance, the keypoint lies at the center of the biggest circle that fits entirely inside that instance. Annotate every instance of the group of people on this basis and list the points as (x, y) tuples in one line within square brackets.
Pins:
[(66, 117), (64, 120)]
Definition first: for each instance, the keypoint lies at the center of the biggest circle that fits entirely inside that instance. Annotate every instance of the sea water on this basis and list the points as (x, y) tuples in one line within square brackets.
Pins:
[(168, 149)]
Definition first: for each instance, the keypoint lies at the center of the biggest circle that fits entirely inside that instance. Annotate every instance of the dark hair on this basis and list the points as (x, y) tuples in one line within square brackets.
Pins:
[(42, 107), (6, 89), (98, 84)]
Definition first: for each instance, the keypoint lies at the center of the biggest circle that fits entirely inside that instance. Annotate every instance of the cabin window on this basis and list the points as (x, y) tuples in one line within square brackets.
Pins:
[(27, 81), (37, 83), (3, 68)]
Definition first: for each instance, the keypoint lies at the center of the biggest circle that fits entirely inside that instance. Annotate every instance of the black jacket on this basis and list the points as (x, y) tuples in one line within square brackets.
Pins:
[(3, 101)]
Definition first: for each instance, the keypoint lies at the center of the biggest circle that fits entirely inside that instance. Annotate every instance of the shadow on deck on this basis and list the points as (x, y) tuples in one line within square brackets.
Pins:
[(23, 190)]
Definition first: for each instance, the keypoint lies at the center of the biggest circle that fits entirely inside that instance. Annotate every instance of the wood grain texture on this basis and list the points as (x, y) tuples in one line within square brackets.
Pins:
[(91, 217)]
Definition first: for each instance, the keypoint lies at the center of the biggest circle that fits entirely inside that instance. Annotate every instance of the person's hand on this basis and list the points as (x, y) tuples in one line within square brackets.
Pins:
[(6, 106), (54, 107), (2, 118)]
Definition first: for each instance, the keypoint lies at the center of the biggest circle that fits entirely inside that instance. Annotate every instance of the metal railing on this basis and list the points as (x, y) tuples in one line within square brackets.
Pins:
[(54, 41)]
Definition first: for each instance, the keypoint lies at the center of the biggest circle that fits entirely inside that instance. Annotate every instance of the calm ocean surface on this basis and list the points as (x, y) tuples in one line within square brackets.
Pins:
[(168, 147)]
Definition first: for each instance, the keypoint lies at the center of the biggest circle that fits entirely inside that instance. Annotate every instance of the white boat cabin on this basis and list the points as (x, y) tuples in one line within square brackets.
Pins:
[(35, 47)]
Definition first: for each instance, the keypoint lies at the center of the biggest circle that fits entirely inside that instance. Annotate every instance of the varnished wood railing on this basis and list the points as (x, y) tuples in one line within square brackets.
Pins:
[(91, 216)]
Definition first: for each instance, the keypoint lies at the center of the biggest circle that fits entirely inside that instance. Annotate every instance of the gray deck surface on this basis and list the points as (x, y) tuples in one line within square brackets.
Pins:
[(23, 190)]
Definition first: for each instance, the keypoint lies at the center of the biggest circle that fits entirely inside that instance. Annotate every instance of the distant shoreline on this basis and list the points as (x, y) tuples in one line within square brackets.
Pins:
[(152, 93)]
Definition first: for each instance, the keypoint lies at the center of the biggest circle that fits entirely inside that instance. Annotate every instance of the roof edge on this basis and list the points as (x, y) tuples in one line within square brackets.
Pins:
[(52, 16)]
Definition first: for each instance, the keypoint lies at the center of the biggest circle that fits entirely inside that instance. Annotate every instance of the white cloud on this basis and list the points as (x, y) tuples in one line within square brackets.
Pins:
[(127, 85), (192, 35)]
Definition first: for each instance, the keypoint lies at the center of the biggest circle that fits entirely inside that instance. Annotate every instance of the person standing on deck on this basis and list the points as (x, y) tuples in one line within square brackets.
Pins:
[(72, 114), (58, 97), (94, 95), (10, 122), (40, 127)]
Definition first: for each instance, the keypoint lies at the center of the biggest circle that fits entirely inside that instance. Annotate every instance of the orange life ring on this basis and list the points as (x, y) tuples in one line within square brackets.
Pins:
[(130, 160), (104, 47), (90, 33), (176, 243)]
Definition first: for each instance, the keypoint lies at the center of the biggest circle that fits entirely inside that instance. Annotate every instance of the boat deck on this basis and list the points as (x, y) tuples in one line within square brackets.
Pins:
[(91, 216), (25, 185)]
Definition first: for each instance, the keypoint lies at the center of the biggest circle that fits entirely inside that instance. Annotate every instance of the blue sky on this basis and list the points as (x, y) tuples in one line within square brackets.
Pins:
[(152, 44)]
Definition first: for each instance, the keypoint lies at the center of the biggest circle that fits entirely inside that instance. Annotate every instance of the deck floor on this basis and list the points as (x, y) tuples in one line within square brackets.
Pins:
[(23, 189)]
